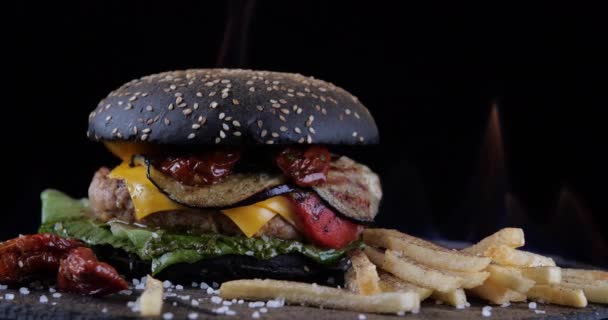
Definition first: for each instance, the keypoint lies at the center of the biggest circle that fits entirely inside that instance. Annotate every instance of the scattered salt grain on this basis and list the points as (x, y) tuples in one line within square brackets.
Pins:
[(194, 284), (362, 316), (186, 297), (486, 311), (221, 310), (227, 303), (263, 310), (168, 316), (104, 310), (204, 286), (532, 305), (460, 306), (44, 299), (167, 284), (255, 315), (506, 304), (192, 315), (174, 303), (9, 296), (234, 300), (52, 290), (3, 287), (230, 313), (54, 303), (216, 299), (467, 304), (195, 303), (140, 286), (126, 292), (24, 291), (179, 287), (256, 304), (135, 282), (241, 301), (215, 285), (56, 295), (275, 303), (210, 290), (540, 311)]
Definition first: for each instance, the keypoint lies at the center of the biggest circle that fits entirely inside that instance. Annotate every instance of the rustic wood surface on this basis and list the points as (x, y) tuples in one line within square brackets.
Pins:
[(70, 306)]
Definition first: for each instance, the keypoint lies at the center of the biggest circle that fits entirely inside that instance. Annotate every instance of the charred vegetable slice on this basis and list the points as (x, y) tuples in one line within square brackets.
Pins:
[(352, 189), (232, 190)]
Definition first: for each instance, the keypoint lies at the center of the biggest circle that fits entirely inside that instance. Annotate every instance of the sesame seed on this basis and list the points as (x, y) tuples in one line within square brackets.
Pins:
[(274, 135), (187, 111), (347, 111), (146, 130), (224, 95), (297, 130), (251, 89), (260, 124), (191, 135), (172, 87), (299, 110), (202, 120), (179, 100), (217, 140), (149, 108), (213, 105), (222, 134), (212, 93), (195, 106), (276, 105), (282, 118), (144, 137), (301, 140), (135, 130), (170, 107), (167, 121), (133, 98), (283, 128), (312, 130), (272, 101), (114, 130), (300, 94), (361, 139), (237, 133), (354, 133), (263, 133), (357, 115), (182, 105), (324, 111), (209, 84), (235, 101), (308, 138), (285, 111), (199, 94), (108, 118), (221, 115), (196, 126), (225, 126), (269, 142), (236, 123)]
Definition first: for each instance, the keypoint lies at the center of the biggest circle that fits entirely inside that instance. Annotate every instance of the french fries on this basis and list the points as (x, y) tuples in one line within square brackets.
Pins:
[(543, 275), (496, 293), (510, 278), (376, 256), (456, 298), (557, 294), (151, 300), (315, 295), (510, 237), (419, 274), (390, 283), (595, 292), (470, 279), (585, 274), (508, 256), (362, 277), (423, 251)]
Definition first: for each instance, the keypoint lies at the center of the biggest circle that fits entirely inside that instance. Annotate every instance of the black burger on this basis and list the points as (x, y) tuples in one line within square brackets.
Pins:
[(225, 174)]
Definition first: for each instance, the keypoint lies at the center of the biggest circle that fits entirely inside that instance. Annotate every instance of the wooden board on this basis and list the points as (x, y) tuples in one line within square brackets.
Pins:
[(71, 306)]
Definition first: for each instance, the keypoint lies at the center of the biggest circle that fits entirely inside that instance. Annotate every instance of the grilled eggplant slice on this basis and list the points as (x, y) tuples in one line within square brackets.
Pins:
[(352, 189), (234, 189)]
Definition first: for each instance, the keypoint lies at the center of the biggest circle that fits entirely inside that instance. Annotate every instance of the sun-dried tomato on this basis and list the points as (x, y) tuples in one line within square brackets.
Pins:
[(82, 273), (306, 167)]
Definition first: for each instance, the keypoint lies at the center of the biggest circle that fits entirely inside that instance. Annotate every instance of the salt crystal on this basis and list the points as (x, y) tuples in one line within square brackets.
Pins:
[(9, 296), (210, 290), (221, 310), (362, 316), (204, 286), (104, 310), (506, 304), (486, 311), (167, 284), (140, 286), (24, 291), (194, 284), (186, 297), (54, 303), (256, 304), (179, 287), (216, 299), (168, 316), (233, 300), (215, 285), (275, 303), (532, 305), (135, 282), (263, 310), (52, 290), (126, 292), (44, 299), (56, 295), (192, 315), (174, 303), (227, 303), (255, 315), (460, 306), (230, 313), (540, 311), (241, 301), (195, 303), (3, 287)]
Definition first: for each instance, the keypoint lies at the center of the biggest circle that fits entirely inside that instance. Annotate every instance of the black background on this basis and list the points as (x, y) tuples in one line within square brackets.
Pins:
[(428, 73)]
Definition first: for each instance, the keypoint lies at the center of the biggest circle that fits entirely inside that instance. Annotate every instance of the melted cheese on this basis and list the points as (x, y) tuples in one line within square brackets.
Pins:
[(146, 198)]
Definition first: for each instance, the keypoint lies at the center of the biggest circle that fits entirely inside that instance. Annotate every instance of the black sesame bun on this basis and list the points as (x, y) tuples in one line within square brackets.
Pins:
[(231, 107)]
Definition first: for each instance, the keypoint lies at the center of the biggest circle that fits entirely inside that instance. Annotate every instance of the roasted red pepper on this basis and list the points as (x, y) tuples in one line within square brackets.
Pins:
[(306, 167), (82, 273), (202, 169), (320, 224)]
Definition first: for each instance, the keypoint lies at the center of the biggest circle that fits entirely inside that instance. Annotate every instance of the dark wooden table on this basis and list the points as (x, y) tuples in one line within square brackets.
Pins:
[(70, 306)]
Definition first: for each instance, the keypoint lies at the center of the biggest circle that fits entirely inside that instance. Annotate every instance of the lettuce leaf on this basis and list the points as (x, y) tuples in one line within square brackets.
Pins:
[(68, 218)]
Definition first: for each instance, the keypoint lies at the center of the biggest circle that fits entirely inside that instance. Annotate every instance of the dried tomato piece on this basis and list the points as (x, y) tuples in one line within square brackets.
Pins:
[(201, 169), (82, 273), (320, 224), (32, 256), (306, 167)]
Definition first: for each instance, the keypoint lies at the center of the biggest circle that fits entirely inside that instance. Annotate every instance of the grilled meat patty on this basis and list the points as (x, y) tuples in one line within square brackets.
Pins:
[(110, 199)]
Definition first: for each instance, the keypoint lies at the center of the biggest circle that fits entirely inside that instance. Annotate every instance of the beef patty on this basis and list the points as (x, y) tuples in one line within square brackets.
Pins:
[(109, 199)]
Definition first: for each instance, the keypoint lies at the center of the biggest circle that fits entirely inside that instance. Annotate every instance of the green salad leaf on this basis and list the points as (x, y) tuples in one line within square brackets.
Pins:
[(162, 248)]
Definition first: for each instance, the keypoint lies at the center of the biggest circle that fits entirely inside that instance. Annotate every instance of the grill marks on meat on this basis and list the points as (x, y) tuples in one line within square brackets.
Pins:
[(352, 188), (109, 199)]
